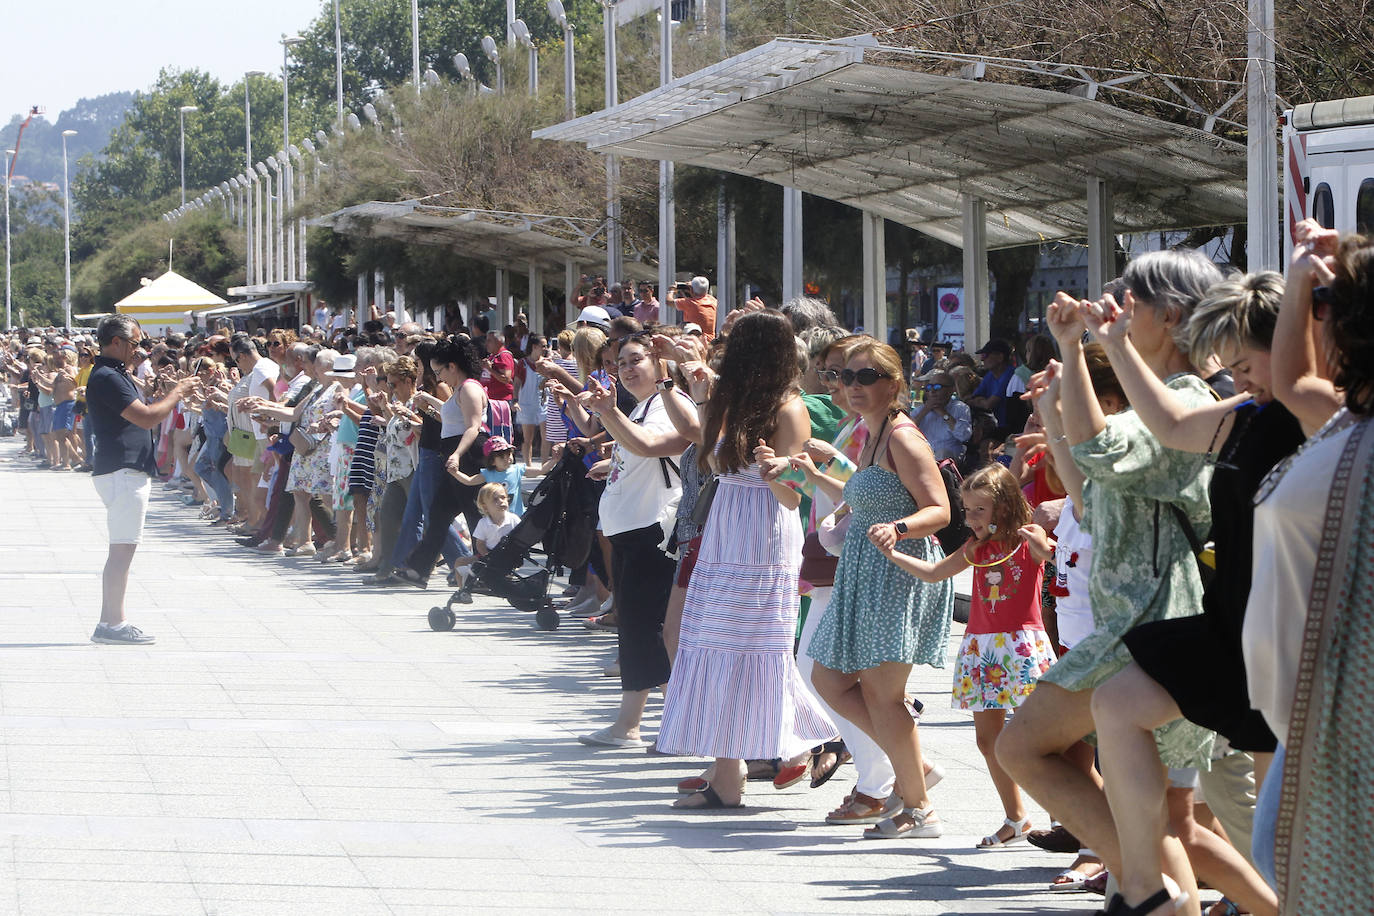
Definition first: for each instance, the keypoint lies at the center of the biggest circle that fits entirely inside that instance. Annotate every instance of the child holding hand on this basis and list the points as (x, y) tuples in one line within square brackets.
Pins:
[(1005, 647)]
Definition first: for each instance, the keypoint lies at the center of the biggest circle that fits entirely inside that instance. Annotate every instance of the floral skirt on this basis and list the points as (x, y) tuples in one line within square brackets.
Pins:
[(999, 670)]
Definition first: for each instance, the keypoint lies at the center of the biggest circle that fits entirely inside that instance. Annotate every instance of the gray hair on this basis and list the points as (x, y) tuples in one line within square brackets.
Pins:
[(1172, 282), (115, 326), (805, 312), (1241, 310), (803, 356), (368, 356), (818, 337)]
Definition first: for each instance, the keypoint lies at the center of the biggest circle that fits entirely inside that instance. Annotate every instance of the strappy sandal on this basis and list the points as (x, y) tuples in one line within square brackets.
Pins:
[(1019, 831), (925, 824), (1117, 906), (713, 802)]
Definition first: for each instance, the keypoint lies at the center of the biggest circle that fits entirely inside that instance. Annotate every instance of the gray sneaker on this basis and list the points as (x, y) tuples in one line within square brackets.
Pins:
[(127, 635)]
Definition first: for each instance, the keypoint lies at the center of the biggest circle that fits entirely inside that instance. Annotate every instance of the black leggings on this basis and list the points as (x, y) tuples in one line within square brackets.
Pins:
[(451, 499), (643, 580)]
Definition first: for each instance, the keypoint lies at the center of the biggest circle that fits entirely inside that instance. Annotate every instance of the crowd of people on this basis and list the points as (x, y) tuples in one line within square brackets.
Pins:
[(1161, 500)]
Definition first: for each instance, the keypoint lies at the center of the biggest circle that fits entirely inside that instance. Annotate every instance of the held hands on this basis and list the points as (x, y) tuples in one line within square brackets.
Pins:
[(1105, 320), (802, 462), (820, 450), (1038, 541), (1063, 320), (883, 536)]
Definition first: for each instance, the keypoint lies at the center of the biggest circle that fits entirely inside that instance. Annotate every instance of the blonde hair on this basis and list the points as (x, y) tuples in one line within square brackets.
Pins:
[(586, 347), (888, 362), (1010, 511), (487, 494)]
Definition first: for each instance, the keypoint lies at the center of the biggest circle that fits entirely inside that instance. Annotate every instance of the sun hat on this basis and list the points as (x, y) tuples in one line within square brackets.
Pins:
[(344, 364)]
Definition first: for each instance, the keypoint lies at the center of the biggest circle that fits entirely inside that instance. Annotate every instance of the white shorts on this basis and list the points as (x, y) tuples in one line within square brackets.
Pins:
[(125, 494)]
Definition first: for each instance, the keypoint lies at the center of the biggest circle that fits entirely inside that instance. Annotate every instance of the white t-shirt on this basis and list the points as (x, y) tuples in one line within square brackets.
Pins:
[(1288, 528), (635, 495), (1073, 556), (321, 317), (491, 533), (262, 384)]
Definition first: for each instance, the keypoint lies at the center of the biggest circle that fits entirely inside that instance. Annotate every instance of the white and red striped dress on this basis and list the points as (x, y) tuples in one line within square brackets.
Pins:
[(735, 691)]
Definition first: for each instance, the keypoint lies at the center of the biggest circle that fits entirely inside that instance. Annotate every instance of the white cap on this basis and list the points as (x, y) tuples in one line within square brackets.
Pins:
[(691, 327), (595, 314)]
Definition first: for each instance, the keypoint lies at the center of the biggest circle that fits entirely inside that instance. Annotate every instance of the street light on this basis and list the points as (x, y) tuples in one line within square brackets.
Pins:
[(67, 229), (460, 63), (560, 16), (287, 43), (415, 43), (181, 121), (9, 157), (522, 35), (338, 65), (251, 261), (493, 55)]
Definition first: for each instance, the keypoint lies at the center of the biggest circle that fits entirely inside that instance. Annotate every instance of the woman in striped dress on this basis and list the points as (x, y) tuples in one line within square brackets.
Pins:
[(735, 692)]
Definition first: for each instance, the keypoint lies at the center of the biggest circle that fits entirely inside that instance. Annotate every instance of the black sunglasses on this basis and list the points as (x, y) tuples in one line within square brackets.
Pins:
[(1322, 301), (865, 376)]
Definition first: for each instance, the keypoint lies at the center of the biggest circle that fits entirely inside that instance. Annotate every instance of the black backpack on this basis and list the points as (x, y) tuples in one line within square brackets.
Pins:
[(953, 535)]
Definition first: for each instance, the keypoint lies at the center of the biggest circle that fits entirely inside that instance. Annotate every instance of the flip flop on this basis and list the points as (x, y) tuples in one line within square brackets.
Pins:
[(821, 777), (713, 802), (1074, 883)]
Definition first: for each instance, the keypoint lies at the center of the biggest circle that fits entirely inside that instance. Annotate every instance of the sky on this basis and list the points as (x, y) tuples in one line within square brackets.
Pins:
[(55, 55)]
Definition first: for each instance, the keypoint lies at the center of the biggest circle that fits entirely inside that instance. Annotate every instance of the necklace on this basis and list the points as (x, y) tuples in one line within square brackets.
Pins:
[(1004, 559), (1340, 420)]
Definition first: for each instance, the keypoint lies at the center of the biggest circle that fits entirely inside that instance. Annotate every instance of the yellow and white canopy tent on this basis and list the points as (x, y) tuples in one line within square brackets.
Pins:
[(163, 305)]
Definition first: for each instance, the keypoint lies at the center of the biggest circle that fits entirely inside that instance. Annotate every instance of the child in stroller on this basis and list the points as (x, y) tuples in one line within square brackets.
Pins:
[(497, 521), (562, 514)]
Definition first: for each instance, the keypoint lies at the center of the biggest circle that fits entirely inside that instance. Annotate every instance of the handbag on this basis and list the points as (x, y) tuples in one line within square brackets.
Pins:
[(701, 509), (303, 442), (817, 565), (242, 443), (831, 530)]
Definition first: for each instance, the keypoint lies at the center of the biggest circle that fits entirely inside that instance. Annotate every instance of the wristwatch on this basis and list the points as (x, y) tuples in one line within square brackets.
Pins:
[(900, 526), (664, 384)]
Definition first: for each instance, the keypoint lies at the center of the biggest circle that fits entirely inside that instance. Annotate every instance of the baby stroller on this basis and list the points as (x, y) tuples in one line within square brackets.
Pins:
[(562, 514)]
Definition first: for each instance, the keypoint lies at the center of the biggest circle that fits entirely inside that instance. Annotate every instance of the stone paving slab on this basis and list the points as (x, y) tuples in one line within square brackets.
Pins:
[(294, 743)]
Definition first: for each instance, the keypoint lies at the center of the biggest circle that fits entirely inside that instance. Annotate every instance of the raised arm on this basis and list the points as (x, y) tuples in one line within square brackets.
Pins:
[(1300, 376), (634, 438), (1083, 418)]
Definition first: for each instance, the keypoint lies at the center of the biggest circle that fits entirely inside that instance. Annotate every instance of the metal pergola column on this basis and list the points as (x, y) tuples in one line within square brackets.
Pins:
[(791, 243), (977, 318), (1101, 236), (875, 275)]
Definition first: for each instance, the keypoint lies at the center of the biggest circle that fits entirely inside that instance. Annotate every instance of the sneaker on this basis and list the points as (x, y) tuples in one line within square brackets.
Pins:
[(611, 670), (126, 635), (587, 607)]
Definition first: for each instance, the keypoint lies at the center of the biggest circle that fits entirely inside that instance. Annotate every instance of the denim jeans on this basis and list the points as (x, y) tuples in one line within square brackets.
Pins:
[(207, 466), (1266, 820), (429, 471)]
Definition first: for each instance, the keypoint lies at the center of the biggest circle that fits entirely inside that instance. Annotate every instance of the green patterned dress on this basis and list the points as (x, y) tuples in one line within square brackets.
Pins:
[(877, 612), (1143, 566)]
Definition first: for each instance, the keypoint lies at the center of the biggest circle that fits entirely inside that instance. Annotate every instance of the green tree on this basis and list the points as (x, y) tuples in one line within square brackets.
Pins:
[(36, 281)]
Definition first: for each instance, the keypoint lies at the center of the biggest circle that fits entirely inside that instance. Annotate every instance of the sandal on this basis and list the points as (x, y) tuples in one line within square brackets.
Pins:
[(712, 801), (820, 777), (759, 770), (925, 824), (1118, 906), (859, 808), (789, 776), (1018, 835), (410, 577), (692, 786)]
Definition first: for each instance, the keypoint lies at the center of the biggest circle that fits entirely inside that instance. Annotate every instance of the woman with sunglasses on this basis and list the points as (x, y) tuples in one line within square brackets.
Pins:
[(943, 419), (880, 620)]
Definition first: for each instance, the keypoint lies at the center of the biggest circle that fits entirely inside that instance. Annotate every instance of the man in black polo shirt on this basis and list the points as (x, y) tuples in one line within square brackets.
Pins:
[(122, 423)]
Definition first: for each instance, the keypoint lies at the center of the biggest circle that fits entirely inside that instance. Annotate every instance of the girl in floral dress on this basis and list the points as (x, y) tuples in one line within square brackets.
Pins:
[(1005, 648)]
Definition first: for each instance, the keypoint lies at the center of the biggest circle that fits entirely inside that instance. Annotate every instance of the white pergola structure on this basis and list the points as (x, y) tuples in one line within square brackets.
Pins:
[(975, 163), (507, 241)]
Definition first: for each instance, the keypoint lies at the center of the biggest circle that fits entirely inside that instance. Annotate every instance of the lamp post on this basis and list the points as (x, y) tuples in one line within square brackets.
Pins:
[(251, 261), (181, 121), (338, 65), (667, 209), (67, 229), (493, 55), (264, 223), (613, 242), (276, 231), (522, 35), (560, 16), (287, 43), (9, 157), (415, 43)]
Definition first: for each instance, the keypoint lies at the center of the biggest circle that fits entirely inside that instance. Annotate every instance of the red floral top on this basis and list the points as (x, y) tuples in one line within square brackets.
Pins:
[(1006, 595)]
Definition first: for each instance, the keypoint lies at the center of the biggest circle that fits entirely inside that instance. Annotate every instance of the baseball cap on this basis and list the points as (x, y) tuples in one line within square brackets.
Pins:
[(691, 327), (595, 314), (996, 345), (496, 444)]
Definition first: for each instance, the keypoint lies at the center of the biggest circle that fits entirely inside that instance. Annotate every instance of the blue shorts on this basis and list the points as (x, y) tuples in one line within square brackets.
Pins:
[(64, 416)]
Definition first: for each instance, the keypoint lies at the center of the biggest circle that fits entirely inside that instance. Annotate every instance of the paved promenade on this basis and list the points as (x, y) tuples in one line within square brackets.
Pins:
[(293, 744)]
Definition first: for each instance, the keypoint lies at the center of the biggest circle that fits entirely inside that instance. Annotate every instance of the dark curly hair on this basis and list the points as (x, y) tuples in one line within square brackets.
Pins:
[(460, 352), (1351, 332), (757, 373)]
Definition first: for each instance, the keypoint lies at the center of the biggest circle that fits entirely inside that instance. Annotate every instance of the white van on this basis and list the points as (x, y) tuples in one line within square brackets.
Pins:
[(1328, 165)]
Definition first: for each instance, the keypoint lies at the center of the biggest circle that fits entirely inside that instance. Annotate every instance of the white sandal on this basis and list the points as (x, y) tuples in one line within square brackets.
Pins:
[(1019, 831)]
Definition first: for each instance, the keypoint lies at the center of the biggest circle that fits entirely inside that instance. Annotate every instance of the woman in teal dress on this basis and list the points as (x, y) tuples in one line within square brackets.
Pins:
[(880, 620)]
